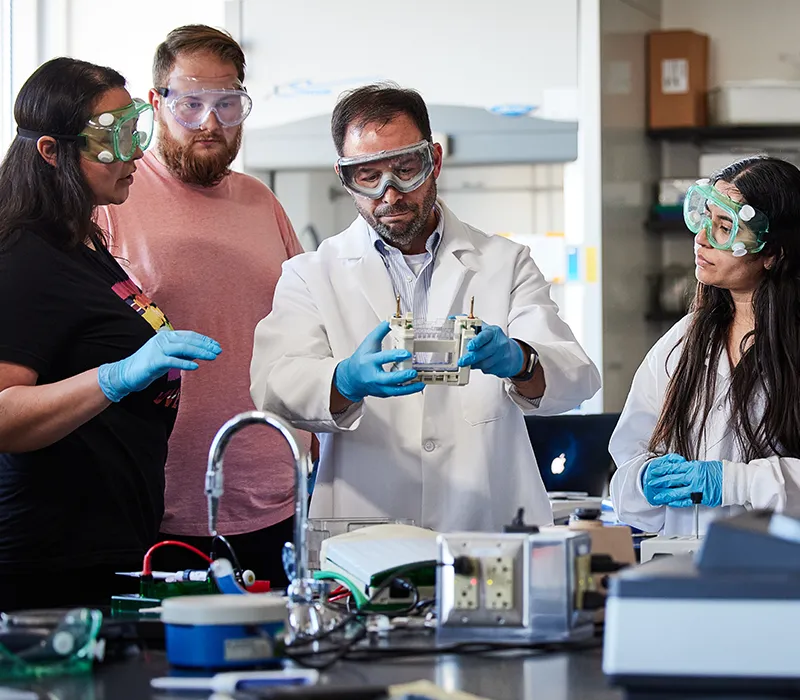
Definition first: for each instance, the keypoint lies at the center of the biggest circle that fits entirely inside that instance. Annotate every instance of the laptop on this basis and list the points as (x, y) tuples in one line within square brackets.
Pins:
[(572, 452)]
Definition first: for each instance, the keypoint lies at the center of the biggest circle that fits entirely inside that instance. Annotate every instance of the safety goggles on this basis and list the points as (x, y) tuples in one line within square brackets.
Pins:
[(110, 136), (116, 135), (370, 175), (41, 643), (728, 225), (191, 102)]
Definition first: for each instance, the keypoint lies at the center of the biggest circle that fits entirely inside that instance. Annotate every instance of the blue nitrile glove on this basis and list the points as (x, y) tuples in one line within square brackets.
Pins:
[(362, 373), (675, 489), (493, 352), (166, 350), (659, 468)]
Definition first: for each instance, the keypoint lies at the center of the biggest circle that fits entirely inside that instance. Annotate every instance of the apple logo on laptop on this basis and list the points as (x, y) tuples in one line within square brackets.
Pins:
[(559, 464)]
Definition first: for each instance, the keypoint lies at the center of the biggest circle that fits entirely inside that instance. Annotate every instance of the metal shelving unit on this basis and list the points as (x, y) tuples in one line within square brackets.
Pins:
[(759, 132)]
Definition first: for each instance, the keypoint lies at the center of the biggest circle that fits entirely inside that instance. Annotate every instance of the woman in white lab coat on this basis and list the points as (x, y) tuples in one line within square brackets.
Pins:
[(715, 406)]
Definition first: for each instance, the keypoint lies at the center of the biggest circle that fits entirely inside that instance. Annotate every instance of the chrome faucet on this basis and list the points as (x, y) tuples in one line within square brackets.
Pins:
[(304, 614)]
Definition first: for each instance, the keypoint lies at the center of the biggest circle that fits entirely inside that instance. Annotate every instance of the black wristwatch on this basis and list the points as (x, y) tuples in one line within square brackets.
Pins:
[(530, 366)]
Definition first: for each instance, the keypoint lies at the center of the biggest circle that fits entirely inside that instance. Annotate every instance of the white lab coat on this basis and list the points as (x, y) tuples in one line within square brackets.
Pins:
[(448, 458), (769, 482)]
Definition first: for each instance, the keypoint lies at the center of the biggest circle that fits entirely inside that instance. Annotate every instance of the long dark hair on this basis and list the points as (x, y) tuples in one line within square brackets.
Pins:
[(57, 99), (764, 390)]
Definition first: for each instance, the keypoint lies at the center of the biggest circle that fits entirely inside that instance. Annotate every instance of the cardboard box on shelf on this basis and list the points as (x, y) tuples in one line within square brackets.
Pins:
[(678, 79)]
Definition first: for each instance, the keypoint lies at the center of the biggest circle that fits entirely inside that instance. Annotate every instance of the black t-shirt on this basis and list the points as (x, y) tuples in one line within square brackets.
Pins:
[(95, 497)]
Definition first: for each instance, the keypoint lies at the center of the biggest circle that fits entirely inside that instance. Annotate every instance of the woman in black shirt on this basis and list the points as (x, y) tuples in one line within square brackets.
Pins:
[(89, 366)]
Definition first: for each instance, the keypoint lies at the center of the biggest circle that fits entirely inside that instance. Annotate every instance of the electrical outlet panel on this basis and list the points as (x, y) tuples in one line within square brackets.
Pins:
[(467, 592), (497, 576), (504, 587), (483, 588)]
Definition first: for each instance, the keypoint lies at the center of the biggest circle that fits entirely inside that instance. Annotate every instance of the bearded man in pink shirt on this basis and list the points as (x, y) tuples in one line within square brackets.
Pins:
[(209, 243)]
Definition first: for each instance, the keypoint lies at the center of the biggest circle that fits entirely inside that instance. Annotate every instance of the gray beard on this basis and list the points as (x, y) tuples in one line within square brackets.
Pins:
[(402, 238)]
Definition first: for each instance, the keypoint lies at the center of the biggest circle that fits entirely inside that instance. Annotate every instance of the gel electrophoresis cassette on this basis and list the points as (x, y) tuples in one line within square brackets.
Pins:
[(434, 347)]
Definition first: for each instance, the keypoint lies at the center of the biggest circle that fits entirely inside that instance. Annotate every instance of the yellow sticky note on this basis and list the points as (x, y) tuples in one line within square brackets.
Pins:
[(591, 264)]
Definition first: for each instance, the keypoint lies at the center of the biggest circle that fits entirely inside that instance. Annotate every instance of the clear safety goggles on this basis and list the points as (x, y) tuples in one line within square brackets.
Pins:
[(370, 175), (110, 136), (191, 102), (728, 225)]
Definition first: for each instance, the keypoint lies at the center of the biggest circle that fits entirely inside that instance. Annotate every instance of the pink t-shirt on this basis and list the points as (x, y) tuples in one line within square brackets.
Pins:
[(212, 257)]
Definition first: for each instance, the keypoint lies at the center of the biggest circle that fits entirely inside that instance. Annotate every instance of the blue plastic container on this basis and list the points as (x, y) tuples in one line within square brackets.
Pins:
[(223, 631)]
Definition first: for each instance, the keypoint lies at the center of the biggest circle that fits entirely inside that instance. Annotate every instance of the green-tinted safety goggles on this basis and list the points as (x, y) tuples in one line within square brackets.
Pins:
[(728, 225), (110, 136), (117, 134)]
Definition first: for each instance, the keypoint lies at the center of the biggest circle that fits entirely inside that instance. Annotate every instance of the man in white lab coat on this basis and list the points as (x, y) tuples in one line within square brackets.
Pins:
[(447, 458)]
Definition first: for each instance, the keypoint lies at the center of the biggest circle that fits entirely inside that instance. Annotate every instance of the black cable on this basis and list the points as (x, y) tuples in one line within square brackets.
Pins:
[(346, 651), (422, 605), (234, 559), (462, 648), (471, 649), (339, 652), (411, 607)]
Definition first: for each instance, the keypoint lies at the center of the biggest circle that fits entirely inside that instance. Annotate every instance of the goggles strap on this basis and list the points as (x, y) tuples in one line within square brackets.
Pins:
[(165, 91), (35, 135)]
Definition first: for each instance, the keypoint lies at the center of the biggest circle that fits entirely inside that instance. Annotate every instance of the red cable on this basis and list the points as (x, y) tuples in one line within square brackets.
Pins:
[(341, 596), (146, 568)]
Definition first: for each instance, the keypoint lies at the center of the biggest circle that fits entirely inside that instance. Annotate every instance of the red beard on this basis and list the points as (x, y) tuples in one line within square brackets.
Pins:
[(204, 169)]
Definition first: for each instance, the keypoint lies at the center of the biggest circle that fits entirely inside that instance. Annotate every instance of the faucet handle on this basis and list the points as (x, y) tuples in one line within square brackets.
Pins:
[(214, 492), (214, 483), (288, 557)]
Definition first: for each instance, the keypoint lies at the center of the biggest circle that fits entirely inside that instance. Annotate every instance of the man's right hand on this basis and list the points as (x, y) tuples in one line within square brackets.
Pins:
[(362, 373)]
